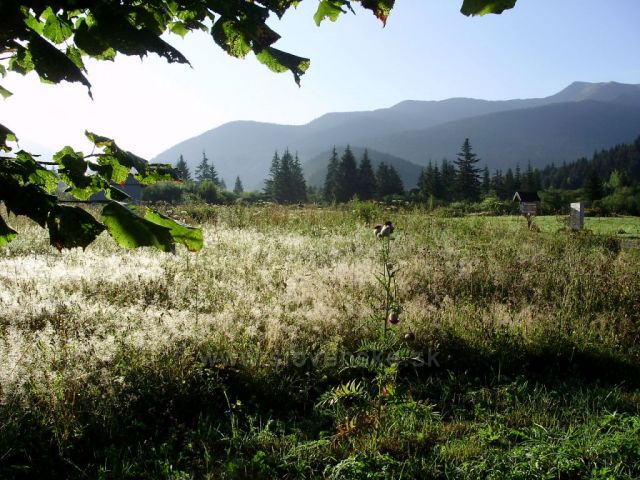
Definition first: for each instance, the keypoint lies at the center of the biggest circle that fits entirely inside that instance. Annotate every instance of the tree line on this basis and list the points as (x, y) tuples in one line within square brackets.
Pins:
[(346, 179), (462, 180)]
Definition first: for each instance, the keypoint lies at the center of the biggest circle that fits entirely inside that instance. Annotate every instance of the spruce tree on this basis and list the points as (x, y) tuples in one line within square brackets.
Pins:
[(237, 188), (207, 171), (510, 187), (448, 172), (517, 179), (331, 179), (183, 169), (283, 180), (270, 183), (203, 169), (467, 181), (486, 181), (298, 185), (497, 184), (366, 178), (593, 186), (347, 176), (388, 181)]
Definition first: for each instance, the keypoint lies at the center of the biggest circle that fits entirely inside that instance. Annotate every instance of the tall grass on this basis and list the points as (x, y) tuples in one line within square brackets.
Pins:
[(140, 364)]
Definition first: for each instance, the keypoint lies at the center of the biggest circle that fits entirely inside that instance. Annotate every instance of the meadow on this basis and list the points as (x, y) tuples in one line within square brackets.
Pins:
[(268, 354)]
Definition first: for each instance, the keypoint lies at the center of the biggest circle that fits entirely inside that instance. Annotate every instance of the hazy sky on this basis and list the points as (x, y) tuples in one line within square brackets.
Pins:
[(428, 51)]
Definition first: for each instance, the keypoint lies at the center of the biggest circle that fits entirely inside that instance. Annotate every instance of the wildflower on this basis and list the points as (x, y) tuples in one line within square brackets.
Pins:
[(384, 230), (393, 318)]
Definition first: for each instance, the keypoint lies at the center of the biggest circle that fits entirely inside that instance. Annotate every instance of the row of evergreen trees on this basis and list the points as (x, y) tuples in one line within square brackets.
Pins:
[(462, 180), (205, 172), (286, 183), (346, 179)]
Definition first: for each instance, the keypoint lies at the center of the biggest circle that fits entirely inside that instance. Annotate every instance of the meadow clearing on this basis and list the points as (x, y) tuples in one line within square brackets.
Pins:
[(516, 354)]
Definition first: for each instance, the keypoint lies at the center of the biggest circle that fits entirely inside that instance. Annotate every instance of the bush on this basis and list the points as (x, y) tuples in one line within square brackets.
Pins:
[(170, 192)]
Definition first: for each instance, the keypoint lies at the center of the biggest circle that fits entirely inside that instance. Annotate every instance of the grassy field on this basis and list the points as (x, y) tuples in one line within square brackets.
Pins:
[(265, 355)]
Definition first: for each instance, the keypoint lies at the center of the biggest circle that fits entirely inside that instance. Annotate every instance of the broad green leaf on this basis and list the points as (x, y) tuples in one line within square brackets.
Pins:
[(54, 66), (33, 23), (6, 135), (28, 200), (113, 30), (21, 62), (279, 61), (482, 7), (380, 8), (158, 172), (90, 185), (228, 35), (179, 28), (3, 71), (114, 193), (6, 233), (330, 9), (124, 158), (35, 173), (4, 93), (131, 230), (98, 140), (55, 29), (75, 55), (190, 237), (71, 227), (110, 168), (72, 165)]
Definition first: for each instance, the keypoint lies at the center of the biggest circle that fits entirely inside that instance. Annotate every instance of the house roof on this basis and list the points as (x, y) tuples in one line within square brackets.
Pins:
[(526, 197)]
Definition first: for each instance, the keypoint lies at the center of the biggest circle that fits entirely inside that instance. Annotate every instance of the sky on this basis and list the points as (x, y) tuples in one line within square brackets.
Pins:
[(427, 51)]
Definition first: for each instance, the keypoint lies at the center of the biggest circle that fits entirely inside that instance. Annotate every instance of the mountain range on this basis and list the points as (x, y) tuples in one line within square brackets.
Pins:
[(575, 122)]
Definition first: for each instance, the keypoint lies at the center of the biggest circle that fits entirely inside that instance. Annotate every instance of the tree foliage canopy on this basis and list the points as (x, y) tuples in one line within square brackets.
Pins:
[(53, 38)]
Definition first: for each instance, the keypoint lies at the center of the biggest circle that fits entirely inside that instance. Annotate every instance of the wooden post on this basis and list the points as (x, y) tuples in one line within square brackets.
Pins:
[(576, 219)]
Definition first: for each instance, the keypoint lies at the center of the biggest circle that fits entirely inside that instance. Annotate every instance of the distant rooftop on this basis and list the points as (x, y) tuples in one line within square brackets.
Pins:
[(526, 197)]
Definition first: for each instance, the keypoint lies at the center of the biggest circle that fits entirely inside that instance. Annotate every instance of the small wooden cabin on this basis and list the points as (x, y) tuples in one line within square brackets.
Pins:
[(528, 202)]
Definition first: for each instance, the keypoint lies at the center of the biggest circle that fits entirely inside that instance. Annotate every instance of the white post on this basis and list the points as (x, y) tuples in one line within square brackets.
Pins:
[(577, 216)]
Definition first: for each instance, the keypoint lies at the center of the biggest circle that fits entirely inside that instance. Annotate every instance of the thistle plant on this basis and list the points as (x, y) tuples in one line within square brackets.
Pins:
[(362, 403)]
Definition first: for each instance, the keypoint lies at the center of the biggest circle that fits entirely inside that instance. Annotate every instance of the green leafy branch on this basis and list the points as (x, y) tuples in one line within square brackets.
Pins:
[(28, 190)]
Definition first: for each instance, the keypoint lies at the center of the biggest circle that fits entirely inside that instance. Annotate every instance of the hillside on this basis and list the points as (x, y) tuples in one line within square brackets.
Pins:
[(502, 132), (549, 134)]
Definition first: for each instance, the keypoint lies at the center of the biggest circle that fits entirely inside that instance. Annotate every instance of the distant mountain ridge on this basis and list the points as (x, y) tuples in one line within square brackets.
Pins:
[(562, 127)]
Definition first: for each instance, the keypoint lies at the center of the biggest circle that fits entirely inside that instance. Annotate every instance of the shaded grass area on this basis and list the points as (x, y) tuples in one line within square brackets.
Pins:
[(213, 367)]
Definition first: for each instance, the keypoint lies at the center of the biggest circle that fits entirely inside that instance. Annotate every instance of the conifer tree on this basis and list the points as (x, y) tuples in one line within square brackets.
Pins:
[(593, 186), (183, 169), (497, 184), (207, 171), (388, 181), (298, 185), (283, 180), (517, 179), (202, 170), (347, 176), (331, 179), (270, 183), (486, 181), (286, 183), (238, 188), (467, 181), (510, 187), (366, 178), (448, 172)]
